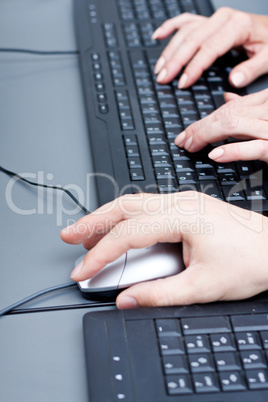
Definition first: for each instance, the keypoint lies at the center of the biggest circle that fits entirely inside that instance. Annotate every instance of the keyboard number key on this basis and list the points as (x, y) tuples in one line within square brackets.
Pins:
[(179, 384), (232, 381)]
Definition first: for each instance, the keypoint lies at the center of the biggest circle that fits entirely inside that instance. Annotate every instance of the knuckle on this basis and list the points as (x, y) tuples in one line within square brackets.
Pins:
[(210, 47), (227, 116), (193, 128)]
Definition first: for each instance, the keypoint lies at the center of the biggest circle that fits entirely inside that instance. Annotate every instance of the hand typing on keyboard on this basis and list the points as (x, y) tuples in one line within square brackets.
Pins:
[(224, 247), (197, 44), (243, 118), (199, 41)]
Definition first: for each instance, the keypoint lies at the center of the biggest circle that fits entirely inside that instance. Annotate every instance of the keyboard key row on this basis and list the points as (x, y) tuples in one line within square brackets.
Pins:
[(158, 10), (133, 157), (96, 65), (124, 110)]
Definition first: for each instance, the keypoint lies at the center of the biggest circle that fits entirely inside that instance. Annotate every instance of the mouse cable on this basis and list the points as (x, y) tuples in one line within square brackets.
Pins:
[(12, 174), (41, 52), (35, 295)]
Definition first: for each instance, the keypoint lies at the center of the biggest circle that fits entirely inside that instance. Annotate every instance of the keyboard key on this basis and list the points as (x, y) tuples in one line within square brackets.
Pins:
[(168, 327), (253, 359), (184, 166), (205, 325), (189, 187), (127, 124), (197, 344), (255, 194), (132, 150), (228, 361), (222, 342), (232, 381), (179, 384), (171, 345), (159, 149), (162, 160), (233, 193), (257, 379), (175, 364), (186, 177), (136, 174), (205, 383), (134, 162), (164, 173), (206, 174), (248, 340), (228, 179), (250, 322), (201, 363), (264, 338), (211, 188)]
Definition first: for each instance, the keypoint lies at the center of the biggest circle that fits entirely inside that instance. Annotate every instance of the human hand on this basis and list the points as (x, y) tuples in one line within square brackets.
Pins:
[(242, 118), (224, 247), (200, 41)]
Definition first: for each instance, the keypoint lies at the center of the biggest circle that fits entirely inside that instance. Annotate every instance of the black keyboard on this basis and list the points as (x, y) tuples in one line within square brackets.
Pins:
[(133, 120), (199, 353)]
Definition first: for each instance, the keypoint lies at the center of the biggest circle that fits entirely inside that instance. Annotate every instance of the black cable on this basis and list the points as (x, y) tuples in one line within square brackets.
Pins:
[(40, 293), (40, 52), (8, 172)]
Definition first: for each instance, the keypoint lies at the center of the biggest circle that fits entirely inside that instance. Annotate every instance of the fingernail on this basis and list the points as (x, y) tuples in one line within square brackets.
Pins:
[(161, 75), (180, 138), (216, 153), (156, 33), (188, 143), (127, 302), (182, 81), (238, 79), (77, 270), (159, 64)]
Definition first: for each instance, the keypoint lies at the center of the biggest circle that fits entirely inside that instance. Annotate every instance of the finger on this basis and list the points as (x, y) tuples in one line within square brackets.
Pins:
[(231, 120), (191, 45), (229, 96), (130, 234), (249, 150), (247, 71), (103, 219), (193, 285), (214, 46), (172, 46), (173, 24)]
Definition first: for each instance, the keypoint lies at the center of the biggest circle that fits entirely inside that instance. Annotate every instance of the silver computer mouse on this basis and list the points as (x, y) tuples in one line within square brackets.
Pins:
[(137, 265)]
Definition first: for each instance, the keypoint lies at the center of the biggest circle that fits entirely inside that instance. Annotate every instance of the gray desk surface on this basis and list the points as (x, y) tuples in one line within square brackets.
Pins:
[(43, 134)]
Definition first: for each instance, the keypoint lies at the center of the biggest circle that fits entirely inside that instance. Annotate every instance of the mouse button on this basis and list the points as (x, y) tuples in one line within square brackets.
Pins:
[(108, 277), (158, 261)]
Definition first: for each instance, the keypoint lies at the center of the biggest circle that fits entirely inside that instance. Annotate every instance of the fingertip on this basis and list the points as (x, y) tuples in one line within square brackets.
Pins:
[(124, 302), (179, 140), (183, 81), (76, 272), (157, 33), (216, 154), (237, 79)]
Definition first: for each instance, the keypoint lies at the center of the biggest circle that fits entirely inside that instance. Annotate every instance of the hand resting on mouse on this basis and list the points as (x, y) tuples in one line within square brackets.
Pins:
[(224, 247)]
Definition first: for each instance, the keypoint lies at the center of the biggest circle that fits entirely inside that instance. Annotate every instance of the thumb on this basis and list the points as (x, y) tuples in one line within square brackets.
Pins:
[(228, 96), (247, 71), (181, 289)]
